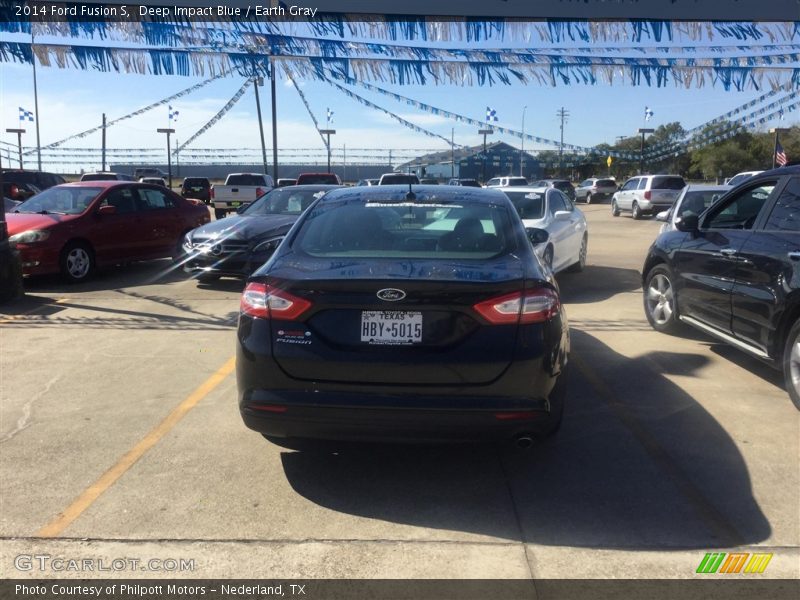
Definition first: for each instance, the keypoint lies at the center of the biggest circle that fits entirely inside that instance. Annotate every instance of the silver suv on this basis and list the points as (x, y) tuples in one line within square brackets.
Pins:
[(647, 195), (506, 182), (595, 189)]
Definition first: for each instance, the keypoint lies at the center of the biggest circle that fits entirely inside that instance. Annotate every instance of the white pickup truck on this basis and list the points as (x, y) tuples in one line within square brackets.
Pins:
[(239, 190)]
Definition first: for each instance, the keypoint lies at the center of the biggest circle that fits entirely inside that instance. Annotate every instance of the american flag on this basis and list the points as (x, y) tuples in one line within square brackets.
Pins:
[(780, 155)]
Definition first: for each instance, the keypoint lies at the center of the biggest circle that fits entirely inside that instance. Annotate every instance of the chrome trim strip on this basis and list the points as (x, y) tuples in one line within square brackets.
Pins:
[(725, 337)]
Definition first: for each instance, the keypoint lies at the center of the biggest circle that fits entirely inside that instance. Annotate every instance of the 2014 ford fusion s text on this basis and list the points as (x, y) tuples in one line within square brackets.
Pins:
[(403, 313)]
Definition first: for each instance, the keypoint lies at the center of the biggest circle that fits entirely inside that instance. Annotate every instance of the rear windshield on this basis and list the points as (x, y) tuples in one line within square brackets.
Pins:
[(517, 181), (60, 200), (245, 180), (195, 182), (606, 183), (398, 179), (529, 205), (321, 179), (668, 183), (289, 200), (435, 230), (99, 177), (562, 185)]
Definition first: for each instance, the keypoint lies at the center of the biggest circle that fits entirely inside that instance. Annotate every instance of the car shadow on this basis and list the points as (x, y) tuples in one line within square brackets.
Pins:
[(596, 283), (638, 463)]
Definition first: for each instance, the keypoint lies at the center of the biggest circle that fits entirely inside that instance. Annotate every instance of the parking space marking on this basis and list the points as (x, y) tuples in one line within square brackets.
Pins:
[(719, 524), (30, 311), (94, 491)]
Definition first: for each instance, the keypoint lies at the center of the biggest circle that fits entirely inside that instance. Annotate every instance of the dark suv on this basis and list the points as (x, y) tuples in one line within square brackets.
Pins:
[(196, 187), (27, 181), (560, 184), (732, 272)]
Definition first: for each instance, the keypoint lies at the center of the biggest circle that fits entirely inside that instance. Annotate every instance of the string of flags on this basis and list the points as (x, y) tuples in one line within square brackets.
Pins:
[(218, 116), (25, 115), (300, 93)]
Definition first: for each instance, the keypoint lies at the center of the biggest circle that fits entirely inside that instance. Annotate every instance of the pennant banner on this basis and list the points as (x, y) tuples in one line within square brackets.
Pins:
[(216, 117), (305, 103)]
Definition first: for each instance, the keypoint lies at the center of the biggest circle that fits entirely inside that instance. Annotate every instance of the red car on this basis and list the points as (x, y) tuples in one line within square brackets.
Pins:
[(75, 227)]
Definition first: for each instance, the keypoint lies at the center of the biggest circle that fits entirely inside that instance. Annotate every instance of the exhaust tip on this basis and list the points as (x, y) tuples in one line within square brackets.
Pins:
[(523, 441)]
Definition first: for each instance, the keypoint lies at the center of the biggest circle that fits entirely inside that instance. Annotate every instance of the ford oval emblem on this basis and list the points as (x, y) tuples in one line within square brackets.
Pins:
[(391, 294)]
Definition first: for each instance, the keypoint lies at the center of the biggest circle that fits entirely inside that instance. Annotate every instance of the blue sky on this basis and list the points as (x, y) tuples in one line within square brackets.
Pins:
[(71, 100)]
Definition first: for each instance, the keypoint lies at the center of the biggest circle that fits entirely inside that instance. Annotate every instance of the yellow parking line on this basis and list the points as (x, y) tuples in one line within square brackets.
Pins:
[(94, 491), (30, 311)]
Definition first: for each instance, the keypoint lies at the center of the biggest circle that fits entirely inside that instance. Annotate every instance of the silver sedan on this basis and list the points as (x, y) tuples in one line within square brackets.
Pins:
[(551, 210)]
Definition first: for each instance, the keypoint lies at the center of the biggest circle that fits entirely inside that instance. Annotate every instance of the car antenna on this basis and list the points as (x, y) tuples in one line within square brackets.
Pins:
[(410, 195)]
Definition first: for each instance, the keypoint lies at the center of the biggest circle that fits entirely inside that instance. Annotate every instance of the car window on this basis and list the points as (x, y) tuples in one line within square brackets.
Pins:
[(62, 199), (154, 199), (284, 201), (785, 216), (741, 211), (555, 201), (494, 181), (123, 199), (630, 184), (587, 183), (245, 180), (642, 184), (529, 205), (605, 183), (668, 183), (696, 201), (439, 229)]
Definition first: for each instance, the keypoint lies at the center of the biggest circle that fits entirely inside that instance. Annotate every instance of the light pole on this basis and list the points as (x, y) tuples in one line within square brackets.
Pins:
[(776, 131), (169, 158), (484, 133), (258, 81), (19, 133), (562, 114), (522, 141), (643, 131), (328, 133)]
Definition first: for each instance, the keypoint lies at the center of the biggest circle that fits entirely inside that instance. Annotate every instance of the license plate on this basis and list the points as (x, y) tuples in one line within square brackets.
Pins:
[(235, 203), (391, 327)]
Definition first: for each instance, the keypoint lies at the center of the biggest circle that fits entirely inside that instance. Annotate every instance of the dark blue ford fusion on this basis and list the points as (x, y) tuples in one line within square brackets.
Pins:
[(237, 245), (403, 313)]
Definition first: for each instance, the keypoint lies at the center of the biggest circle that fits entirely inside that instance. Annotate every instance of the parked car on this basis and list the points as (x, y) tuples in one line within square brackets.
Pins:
[(398, 179), (75, 227), (740, 177), (148, 172), (198, 188), (154, 180), (106, 176), (429, 181), (506, 182), (239, 189), (465, 182), (19, 191), (560, 184), (318, 179), (284, 181), (362, 182), (647, 195), (595, 189), (39, 180), (550, 209), (238, 245), (693, 199), (339, 339), (731, 272)]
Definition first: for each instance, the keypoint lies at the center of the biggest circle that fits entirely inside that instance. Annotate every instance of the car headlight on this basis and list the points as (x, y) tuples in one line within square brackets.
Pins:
[(30, 237), (268, 245)]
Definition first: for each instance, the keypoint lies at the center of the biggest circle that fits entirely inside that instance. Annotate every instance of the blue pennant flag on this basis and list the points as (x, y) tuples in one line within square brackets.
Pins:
[(25, 114), (173, 114), (330, 115), (491, 115), (648, 114)]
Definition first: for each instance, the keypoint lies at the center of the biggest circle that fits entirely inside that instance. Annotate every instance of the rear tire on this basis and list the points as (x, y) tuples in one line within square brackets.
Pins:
[(547, 257), (614, 208), (77, 262), (636, 212), (581, 264), (791, 364), (660, 299), (588, 198)]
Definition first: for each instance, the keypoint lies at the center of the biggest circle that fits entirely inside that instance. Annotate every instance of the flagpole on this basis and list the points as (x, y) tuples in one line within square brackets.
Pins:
[(36, 106)]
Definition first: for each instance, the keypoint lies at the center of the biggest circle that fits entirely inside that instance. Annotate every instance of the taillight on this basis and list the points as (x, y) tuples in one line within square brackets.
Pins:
[(264, 301), (259, 192), (534, 306), (647, 195), (211, 193)]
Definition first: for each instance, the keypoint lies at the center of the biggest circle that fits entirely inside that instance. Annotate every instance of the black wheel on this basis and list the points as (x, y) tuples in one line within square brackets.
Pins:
[(219, 213), (547, 257), (614, 208), (588, 198), (77, 262), (580, 265), (660, 302), (636, 212), (791, 364)]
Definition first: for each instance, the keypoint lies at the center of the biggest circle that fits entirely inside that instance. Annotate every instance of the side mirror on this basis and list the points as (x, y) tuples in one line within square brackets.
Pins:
[(537, 236), (688, 223), (662, 216), (562, 215), (107, 210)]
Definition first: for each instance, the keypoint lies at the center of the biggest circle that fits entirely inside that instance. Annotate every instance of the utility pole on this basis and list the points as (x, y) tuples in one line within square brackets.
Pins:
[(344, 163), (19, 133), (452, 153), (643, 131), (522, 141), (169, 156), (177, 160), (484, 132), (328, 133), (259, 81), (36, 107), (104, 143), (274, 119), (562, 114)]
